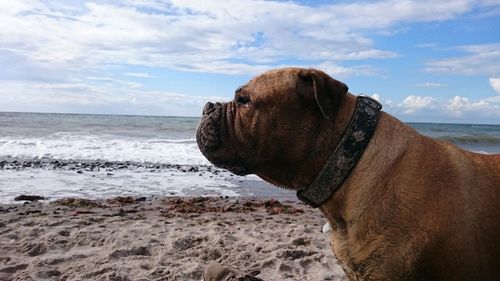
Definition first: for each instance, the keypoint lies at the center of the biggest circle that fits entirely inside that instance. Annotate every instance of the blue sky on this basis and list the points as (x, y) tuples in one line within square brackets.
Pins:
[(426, 61)]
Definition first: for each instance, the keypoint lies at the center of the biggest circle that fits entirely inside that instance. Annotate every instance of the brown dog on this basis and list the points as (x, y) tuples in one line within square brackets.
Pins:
[(402, 206)]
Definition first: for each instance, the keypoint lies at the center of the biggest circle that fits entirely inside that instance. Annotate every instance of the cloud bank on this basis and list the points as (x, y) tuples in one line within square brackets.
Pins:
[(65, 57), (230, 36)]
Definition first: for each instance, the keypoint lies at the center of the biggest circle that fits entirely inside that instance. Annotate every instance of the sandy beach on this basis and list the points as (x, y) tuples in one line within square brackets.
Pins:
[(128, 238)]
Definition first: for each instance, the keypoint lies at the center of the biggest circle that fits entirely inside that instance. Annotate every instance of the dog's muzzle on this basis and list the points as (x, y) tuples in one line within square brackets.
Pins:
[(214, 141), (208, 132)]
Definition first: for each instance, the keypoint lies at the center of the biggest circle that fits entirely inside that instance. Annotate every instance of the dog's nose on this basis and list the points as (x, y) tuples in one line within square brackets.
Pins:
[(208, 108)]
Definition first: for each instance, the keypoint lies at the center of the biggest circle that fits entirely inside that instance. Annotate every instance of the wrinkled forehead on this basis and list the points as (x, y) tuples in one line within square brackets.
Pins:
[(279, 80)]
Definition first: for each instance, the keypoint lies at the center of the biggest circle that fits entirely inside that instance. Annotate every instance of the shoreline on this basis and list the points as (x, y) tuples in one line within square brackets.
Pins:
[(19, 163), (174, 238), (55, 179)]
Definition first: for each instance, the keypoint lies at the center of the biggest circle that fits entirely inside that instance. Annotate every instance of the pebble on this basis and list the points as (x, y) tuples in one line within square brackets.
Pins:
[(327, 228)]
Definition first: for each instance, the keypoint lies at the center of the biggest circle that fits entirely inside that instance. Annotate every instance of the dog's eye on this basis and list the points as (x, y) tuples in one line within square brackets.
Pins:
[(242, 100)]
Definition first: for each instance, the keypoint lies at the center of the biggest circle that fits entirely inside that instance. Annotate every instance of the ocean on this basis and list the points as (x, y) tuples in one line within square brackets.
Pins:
[(93, 156)]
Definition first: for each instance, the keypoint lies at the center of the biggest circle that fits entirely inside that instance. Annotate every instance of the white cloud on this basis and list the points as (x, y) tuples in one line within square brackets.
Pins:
[(413, 103), (459, 106), (336, 70), (230, 36), (99, 94), (386, 103), (61, 56), (480, 60), (429, 109), (377, 97), (495, 84), (139, 74), (431, 85), (456, 109)]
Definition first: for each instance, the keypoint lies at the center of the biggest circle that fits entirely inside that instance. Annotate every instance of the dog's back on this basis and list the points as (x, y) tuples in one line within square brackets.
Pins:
[(427, 211)]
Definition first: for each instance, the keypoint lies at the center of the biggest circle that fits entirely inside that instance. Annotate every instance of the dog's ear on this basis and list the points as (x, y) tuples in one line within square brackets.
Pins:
[(327, 91)]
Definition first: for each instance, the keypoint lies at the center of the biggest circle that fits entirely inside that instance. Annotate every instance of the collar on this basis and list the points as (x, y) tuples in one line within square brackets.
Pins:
[(346, 155)]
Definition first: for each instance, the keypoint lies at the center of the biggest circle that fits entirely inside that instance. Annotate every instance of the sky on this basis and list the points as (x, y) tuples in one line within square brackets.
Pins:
[(426, 61)]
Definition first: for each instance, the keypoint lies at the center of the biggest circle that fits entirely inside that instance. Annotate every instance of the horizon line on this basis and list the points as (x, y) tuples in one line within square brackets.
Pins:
[(179, 116)]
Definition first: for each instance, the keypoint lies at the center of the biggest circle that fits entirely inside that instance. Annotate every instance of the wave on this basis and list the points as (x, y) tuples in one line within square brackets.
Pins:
[(167, 151), (174, 141), (472, 139), (181, 151)]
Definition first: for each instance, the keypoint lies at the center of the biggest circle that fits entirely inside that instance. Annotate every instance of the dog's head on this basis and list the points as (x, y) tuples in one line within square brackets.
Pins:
[(275, 122)]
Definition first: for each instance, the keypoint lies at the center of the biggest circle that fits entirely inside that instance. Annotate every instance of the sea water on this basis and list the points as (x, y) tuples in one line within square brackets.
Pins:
[(61, 155)]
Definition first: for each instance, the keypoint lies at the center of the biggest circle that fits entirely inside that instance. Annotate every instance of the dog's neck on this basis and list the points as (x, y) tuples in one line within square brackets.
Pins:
[(349, 150), (369, 179)]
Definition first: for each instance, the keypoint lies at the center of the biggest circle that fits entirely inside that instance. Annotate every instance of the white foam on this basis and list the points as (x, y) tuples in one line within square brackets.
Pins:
[(481, 152), (81, 147), (56, 184)]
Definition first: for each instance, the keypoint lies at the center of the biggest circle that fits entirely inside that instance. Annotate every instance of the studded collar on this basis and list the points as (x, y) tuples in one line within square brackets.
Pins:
[(350, 149)]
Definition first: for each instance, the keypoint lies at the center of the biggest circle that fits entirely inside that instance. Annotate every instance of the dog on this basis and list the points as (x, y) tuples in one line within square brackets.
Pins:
[(402, 206)]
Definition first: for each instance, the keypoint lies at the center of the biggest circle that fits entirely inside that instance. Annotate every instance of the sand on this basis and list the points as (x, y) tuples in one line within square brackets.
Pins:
[(163, 239)]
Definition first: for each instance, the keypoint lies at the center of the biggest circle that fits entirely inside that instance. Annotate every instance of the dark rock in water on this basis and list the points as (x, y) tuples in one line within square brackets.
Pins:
[(29, 198)]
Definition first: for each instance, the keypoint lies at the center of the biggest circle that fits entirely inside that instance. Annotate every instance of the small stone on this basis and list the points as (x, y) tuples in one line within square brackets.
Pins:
[(301, 241), (64, 232), (30, 198)]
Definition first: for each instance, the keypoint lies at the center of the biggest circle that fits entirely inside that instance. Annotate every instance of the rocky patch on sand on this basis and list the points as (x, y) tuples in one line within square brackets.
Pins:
[(82, 166)]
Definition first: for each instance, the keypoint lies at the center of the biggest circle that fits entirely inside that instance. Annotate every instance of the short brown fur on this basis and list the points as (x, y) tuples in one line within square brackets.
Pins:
[(413, 208)]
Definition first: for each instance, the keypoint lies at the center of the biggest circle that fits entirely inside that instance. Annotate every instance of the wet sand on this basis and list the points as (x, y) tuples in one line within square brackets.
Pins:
[(55, 179), (129, 238)]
